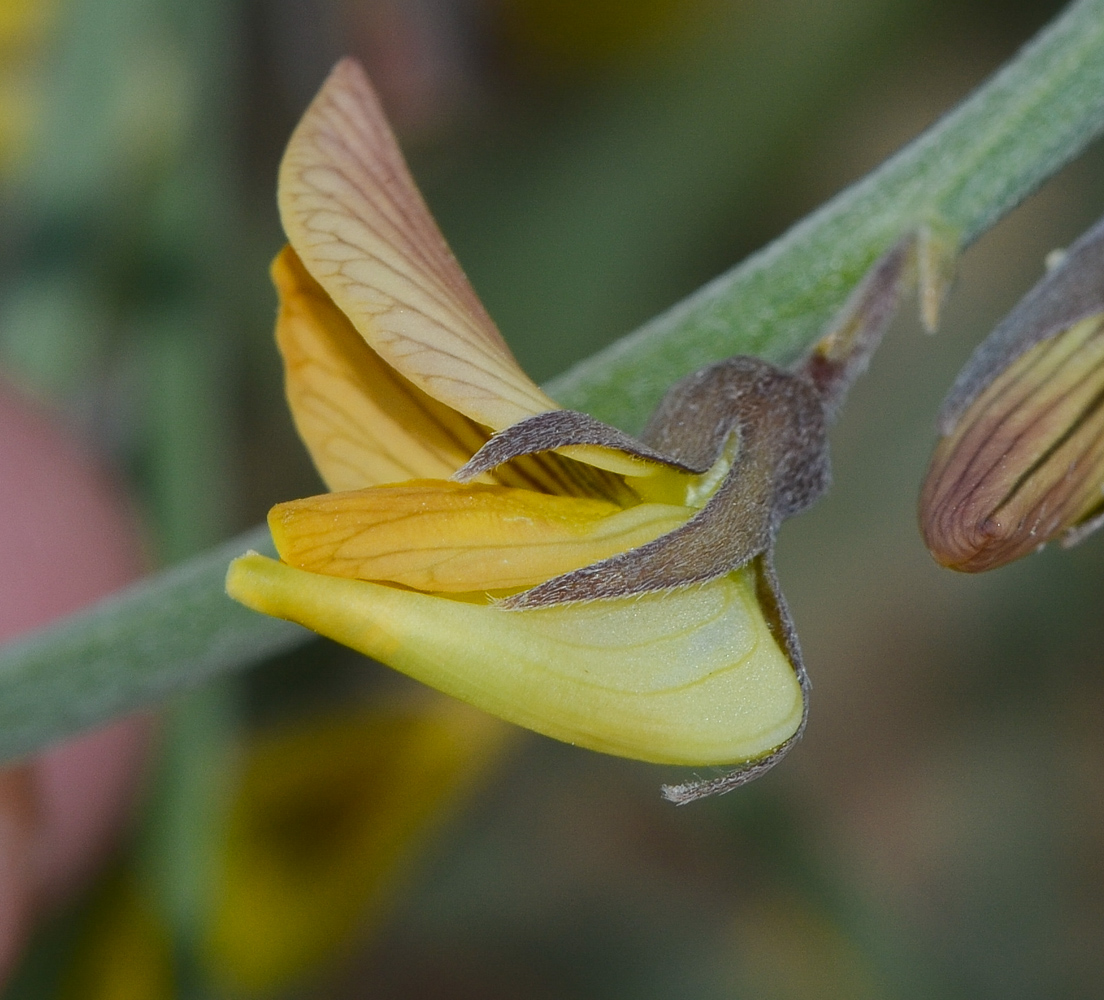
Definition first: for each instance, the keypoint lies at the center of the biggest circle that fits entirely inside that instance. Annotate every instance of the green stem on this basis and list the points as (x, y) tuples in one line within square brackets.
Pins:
[(172, 631), (960, 177)]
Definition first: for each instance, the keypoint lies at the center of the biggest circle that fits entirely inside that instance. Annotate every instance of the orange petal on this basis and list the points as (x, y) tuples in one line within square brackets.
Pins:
[(440, 536), (355, 217), (363, 423)]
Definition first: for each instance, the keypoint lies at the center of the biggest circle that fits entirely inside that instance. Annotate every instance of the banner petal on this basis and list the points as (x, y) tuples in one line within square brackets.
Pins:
[(354, 216), (363, 423)]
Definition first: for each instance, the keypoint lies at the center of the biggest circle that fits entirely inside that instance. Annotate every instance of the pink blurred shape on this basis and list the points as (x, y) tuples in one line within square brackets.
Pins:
[(68, 536)]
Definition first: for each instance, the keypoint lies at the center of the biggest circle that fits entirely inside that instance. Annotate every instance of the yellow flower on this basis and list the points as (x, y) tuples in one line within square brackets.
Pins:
[(327, 816), (609, 592), (24, 26), (124, 948)]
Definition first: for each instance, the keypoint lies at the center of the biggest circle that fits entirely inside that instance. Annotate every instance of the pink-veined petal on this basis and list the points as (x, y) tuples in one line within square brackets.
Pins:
[(365, 425), (355, 217), (362, 422)]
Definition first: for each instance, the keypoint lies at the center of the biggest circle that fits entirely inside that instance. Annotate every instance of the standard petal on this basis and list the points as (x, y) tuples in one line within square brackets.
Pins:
[(441, 536), (363, 423), (689, 677), (355, 217)]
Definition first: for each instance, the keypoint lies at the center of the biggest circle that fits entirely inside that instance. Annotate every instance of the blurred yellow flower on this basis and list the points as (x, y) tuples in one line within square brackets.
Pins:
[(24, 24), (125, 951), (326, 815), (653, 627), (584, 34)]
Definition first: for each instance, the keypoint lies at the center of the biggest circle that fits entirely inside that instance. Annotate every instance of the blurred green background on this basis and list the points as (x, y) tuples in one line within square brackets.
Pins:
[(940, 830)]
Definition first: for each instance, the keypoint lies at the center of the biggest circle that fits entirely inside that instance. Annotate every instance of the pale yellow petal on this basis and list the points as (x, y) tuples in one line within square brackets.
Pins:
[(441, 536), (693, 676), (355, 217), (613, 460), (363, 423)]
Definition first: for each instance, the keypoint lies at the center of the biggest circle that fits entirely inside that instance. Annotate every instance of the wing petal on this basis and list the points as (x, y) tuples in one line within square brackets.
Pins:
[(445, 537)]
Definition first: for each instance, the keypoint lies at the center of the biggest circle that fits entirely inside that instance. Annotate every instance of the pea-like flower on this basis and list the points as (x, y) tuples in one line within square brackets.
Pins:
[(608, 591), (1021, 461)]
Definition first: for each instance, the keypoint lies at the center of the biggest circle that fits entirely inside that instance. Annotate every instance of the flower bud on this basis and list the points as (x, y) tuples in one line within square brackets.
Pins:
[(1022, 459)]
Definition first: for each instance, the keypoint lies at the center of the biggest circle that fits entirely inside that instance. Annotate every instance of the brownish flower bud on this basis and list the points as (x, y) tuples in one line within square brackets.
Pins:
[(1022, 459)]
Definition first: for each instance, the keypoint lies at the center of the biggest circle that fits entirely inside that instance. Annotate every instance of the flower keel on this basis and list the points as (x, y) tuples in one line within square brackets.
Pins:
[(691, 677)]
